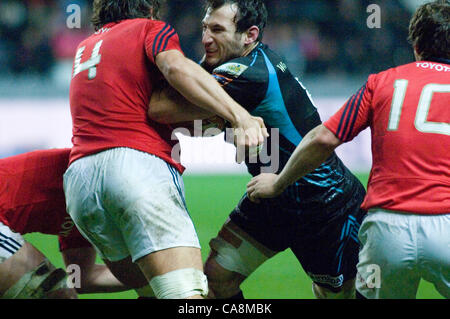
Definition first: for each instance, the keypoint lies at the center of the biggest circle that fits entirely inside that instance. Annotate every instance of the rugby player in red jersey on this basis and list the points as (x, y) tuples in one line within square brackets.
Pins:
[(32, 200), (405, 235), (123, 189)]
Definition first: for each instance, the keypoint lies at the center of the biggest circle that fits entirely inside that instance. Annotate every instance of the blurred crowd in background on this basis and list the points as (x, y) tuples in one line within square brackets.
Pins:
[(320, 37)]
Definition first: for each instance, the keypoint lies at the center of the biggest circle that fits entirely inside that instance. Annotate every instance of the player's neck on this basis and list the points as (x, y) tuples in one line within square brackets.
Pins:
[(440, 60), (434, 59), (250, 48)]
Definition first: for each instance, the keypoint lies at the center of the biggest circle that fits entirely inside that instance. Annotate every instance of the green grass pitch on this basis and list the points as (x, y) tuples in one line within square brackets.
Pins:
[(210, 199)]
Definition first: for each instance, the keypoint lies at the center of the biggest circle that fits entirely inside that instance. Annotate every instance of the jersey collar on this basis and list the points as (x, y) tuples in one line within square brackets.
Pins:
[(446, 61)]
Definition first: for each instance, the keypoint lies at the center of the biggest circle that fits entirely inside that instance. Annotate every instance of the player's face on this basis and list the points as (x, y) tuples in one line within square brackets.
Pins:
[(220, 39)]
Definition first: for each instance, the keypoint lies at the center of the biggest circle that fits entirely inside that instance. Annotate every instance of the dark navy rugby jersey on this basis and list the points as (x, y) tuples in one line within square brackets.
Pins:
[(262, 83)]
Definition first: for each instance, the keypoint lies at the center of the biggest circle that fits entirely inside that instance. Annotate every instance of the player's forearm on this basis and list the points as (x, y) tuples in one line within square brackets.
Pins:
[(312, 151), (198, 87), (99, 279), (94, 278)]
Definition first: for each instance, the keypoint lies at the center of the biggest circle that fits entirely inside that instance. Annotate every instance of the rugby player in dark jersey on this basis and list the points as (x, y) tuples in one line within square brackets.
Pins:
[(318, 217)]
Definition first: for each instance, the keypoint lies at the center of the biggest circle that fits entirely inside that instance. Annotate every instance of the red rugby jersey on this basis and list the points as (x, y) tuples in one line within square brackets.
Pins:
[(32, 196), (112, 81), (408, 111)]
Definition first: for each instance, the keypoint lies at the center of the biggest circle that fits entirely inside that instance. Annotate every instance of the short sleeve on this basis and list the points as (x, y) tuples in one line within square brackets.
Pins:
[(354, 116), (159, 37)]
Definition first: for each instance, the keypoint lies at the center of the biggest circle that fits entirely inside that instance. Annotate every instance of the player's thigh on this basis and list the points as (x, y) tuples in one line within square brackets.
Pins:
[(252, 234), (433, 250), (28, 274), (21, 262), (326, 242), (222, 282), (151, 213), (84, 192), (128, 202), (387, 266), (16, 257), (154, 222)]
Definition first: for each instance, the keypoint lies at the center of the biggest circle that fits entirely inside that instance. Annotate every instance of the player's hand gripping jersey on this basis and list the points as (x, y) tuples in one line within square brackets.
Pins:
[(119, 61), (408, 111), (32, 196)]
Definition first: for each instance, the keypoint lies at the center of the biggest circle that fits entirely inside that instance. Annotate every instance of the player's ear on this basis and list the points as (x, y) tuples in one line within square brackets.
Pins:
[(152, 17), (251, 35)]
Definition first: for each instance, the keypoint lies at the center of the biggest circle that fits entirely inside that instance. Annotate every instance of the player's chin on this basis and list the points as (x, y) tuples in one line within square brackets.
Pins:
[(212, 60)]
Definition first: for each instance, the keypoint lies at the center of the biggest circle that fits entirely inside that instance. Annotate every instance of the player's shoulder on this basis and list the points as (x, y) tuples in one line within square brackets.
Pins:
[(249, 67), (153, 23), (28, 157), (410, 71), (233, 68), (156, 26), (391, 73), (140, 22), (53, 154), (132, 25), (408, 67), (59, 155), (52, 158)]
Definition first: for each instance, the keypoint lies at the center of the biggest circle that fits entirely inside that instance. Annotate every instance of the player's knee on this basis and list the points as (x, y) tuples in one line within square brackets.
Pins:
[(222, 282), (214, 271), (180, 284), (347, 291), (236, 254), (234, 257)]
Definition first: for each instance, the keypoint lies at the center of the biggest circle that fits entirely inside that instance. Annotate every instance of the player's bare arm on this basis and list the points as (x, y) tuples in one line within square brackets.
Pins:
[(167, 106), (313, 150), (198, 87), (95, 278)]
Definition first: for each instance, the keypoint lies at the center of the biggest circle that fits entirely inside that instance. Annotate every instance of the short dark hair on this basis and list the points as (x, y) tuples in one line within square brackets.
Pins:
[(429, 30), (250, 13), (107, 11)]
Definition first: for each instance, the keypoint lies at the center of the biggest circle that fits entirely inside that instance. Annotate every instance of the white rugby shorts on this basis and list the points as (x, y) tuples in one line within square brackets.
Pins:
[(128, 203), (10, 242), (398, 250)]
